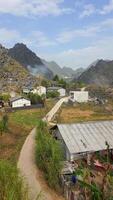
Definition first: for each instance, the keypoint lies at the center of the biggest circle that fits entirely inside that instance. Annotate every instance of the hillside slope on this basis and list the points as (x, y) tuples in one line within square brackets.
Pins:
[(29, 60), (12, 74), (99, 73)]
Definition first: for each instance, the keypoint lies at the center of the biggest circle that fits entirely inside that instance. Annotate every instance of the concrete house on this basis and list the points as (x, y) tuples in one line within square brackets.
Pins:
[(81, 140), (79, 96), (40, 90), (61, 91), (18, 102), (27, 90)]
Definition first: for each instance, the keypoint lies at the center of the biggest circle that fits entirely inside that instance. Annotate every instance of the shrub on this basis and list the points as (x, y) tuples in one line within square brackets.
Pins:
[(35, 98), (52, 94)]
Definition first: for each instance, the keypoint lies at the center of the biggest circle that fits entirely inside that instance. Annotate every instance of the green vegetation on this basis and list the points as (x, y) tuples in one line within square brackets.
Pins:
[(56, 78), (29, 118), (48, 155), (53, 94), (4, 124), (20, 124), (11, 187), (60, 82), (35, 98), (5, 97), (45, 83)]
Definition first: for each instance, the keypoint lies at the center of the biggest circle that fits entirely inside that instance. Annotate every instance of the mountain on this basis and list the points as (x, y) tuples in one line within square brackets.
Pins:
[(64, 72), (68, 72), (29, 60), (54, 67), (13, 74), (98, 73)]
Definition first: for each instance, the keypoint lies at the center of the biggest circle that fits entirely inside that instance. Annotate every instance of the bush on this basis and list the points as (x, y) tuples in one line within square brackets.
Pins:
[(5, 97), (35, 98), (48, 155), (53, 94), (11, 187)]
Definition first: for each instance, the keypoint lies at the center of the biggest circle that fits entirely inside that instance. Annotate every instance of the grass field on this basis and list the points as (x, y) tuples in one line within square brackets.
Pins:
[(85, 112), (20, 124)]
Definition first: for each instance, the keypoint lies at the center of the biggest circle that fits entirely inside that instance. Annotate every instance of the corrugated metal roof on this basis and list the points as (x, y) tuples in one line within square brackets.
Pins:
[(54, 88), (89, 136), (17, 98)]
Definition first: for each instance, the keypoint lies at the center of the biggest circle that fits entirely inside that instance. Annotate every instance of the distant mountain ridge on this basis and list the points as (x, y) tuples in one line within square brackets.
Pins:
[(62, 72), (21, 53), (99, 73)]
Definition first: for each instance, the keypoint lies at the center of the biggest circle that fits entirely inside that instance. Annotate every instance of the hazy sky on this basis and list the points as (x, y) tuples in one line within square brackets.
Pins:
[(74, 33)]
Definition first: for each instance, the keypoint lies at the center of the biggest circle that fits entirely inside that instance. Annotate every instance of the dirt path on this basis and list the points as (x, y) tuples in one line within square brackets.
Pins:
[(28, 169)]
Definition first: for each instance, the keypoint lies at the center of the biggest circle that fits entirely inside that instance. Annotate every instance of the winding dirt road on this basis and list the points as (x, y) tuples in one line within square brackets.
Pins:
[(33, 177)]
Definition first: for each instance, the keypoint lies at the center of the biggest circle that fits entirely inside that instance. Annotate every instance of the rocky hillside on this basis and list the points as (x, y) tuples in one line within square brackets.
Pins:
[(29, 60), (12, 74), (99, 73)]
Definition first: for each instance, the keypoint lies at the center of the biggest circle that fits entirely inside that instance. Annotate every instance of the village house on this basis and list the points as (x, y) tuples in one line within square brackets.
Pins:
[(79, 96), (27, 90), (18, 102), (40, 90), (61, 91), (81, 140)]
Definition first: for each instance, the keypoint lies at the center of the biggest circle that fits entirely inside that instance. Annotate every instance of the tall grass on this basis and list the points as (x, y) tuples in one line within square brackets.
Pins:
[(49, 155), (11, 187)]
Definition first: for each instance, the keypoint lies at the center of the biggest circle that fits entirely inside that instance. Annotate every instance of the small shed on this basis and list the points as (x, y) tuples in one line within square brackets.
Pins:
[(61, 90), (82, 139), (18, 102), (79, 96)]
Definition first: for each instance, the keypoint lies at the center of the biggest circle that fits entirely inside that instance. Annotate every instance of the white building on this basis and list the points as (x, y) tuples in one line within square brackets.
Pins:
[(79, 96), (61, 91), (40, 90), (18, 102), (82, 139), (27, 90)]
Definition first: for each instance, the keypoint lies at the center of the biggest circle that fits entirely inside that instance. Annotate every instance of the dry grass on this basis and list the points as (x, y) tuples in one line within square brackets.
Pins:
[(20, 124), (85, 112)]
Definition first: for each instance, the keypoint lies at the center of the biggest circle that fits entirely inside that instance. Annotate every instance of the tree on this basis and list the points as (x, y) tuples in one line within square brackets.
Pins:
[(5, 97), (63, 83), (53, 94), (35, 98), (45, 83), (56, 78)]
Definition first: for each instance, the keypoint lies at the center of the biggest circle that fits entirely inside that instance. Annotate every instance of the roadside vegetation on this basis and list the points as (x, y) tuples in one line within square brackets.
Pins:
[(14, 128), (4, 124), (49, 155), (11, 186)]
